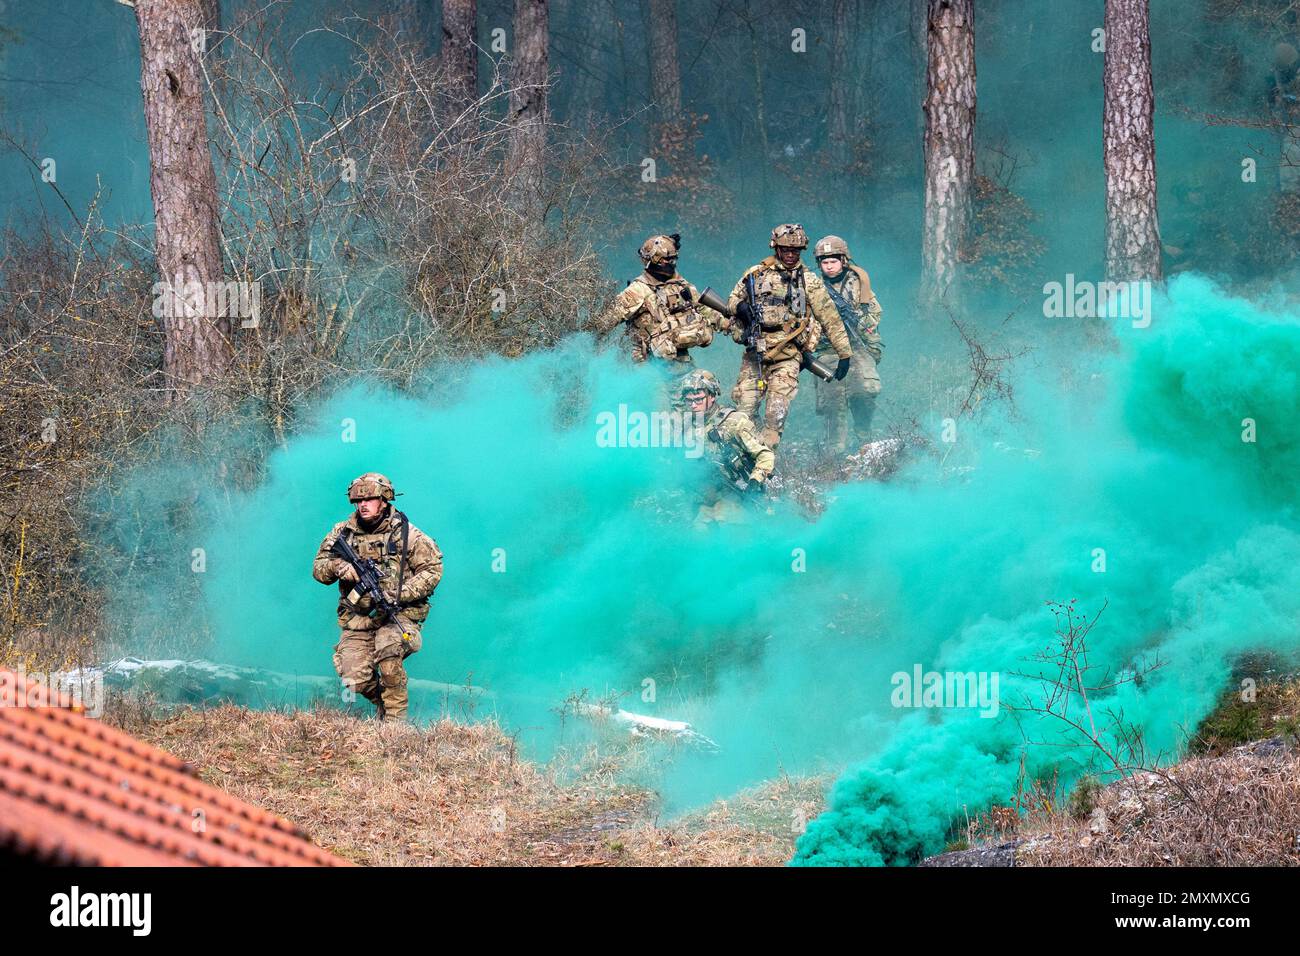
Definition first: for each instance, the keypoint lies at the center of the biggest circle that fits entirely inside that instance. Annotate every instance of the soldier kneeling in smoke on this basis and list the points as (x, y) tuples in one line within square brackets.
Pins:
[(406, 565), (730, 440)]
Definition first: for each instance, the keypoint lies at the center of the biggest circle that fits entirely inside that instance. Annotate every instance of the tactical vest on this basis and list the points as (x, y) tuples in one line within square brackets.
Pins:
[(782, 297), (676, 327), (388, 548), (676, 306), (736, 463)]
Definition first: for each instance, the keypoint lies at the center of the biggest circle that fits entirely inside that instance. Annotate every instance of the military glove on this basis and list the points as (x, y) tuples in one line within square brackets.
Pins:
[(842, 369), (344, 571), (743, 314)]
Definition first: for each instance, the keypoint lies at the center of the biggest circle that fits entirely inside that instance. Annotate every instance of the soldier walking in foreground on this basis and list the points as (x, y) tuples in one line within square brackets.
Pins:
[(730, 441), (383, 592), (781, 310), (661, 309), (850, 290)]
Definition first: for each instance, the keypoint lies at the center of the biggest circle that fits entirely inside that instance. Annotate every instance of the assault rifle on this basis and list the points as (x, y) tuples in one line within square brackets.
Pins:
[(368, 577), (752, 338)]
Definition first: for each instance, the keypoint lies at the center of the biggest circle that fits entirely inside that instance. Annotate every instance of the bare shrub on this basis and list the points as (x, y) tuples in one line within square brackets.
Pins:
[(372, 214)]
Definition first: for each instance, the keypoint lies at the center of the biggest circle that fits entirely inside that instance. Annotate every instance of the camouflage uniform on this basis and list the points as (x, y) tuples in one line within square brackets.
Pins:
[(663, 315), (731, 442), (796, 311), (366, 644), (858, 390)]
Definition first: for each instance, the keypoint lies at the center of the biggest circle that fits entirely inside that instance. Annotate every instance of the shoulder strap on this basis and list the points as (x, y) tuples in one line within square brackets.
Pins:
[(861, 273), (715, 430), (401, 561), (837, 297)]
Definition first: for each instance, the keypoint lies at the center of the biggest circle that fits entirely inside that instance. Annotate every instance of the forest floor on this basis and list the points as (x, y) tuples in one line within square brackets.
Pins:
[(460, 794)]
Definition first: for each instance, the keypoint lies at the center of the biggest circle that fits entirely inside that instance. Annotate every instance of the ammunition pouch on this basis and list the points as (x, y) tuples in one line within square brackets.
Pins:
[(693, 335)]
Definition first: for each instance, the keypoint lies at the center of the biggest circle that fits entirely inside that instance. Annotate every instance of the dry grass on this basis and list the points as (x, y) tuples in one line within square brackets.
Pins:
[(456, 794), (1234, 800), (1242, 809)]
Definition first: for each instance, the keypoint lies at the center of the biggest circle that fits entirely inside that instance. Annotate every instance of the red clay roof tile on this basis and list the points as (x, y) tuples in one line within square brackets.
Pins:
[(74, 791)]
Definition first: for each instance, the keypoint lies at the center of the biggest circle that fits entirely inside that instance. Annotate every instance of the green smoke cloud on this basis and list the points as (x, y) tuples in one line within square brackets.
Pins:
[(1198, 530), (778, 639)]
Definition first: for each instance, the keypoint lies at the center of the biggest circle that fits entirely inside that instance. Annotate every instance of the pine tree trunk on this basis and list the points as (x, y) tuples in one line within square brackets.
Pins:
[(949, 143), (665, 74), (840, 127), (197, 347), (527, 149), (1129, 145), (460, 50)]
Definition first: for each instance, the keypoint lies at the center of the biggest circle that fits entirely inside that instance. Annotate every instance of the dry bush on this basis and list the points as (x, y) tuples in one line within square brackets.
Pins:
[(1237, 810), (430, 253), (79, 360), (382, 220)]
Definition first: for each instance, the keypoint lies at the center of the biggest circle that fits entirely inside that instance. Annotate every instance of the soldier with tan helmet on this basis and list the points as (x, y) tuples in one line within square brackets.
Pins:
[(849, 288), (370, 651), (730, 440), (661, 309), (793, 311)]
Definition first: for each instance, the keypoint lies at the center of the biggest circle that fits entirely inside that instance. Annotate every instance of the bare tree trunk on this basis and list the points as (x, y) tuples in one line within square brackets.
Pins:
[(840, 127), (527, 150), (197, 347), (1129, 145), (460, 49), (949, 143), (665, 74)]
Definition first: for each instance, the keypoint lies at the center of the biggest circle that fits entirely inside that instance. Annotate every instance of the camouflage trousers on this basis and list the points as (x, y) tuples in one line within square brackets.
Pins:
[(775, 384), (370, 663), (855, 393)]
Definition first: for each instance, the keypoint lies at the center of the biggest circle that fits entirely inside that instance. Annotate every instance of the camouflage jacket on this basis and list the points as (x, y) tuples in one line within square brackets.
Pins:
[(796, 310), (663, 316), (854, 286), (732, 441), (383, 544)]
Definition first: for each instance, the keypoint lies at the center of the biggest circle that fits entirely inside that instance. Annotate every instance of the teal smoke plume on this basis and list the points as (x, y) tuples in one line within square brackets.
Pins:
[(572, 566), (1201, 546)]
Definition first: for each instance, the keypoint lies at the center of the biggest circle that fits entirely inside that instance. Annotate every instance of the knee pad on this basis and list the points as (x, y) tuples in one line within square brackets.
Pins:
[(391, 672)]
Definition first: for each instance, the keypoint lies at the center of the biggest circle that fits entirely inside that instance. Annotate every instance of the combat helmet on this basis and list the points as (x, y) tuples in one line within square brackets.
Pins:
[(371, 485), (831, 246), (699, 380), (660, 248), (1284, 56), (789, 234)]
